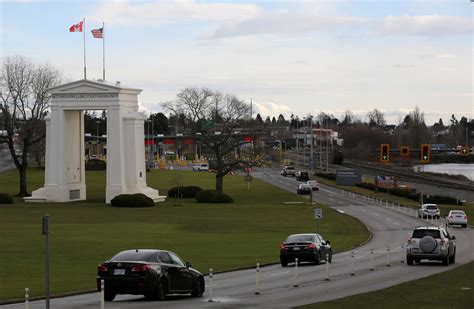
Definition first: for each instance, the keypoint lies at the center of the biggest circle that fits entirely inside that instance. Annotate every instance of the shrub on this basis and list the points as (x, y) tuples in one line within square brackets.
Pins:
[(132, 200), (212, 196), (6, 198), (190, 191), (173, 192), (330, 176)]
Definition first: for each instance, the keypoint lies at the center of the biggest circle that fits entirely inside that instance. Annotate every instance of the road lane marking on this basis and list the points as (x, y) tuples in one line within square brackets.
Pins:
[(341, 211), (363, 209), (279, 274), (397, 223), (376, 214), (388, 219)]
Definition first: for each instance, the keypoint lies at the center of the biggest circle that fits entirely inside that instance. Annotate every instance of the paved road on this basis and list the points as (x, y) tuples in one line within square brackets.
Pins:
[(390, 227)]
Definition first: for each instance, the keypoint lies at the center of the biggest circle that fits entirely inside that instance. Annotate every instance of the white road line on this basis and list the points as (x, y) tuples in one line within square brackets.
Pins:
[(376, 214), (388, 219), (341, 202), (397, 223), (327, 191), (341, 211), (279, 274), (363, 209)]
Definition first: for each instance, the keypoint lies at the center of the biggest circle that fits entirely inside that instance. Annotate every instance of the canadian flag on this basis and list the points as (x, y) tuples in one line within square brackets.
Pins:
[(76, 27)]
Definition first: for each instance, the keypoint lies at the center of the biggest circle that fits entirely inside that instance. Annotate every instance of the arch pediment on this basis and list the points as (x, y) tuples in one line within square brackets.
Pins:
[(85, 86)]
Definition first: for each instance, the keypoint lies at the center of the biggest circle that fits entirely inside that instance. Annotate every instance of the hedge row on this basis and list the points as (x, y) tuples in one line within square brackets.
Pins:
[(212, 196), (437, 199), (184, 192), (132, 200), (6, 198), (330, 176)]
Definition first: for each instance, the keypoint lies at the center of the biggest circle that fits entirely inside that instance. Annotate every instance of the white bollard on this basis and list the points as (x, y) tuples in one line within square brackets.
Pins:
[(386, 203), (257, 292), (352, 261), (402, 260), (102, 293), (371, 259), (296, 273), (388, 255), (27, 298), (327, 267), (398, 206), (210, 285), (343, 192)]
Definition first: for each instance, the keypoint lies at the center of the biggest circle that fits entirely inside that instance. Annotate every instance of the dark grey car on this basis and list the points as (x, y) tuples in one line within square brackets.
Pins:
[(305, 247)]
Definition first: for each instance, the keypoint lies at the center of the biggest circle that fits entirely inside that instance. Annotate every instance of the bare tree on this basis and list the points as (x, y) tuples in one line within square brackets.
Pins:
[(376, 118), (213, 118), (24, 103), (418, 130)]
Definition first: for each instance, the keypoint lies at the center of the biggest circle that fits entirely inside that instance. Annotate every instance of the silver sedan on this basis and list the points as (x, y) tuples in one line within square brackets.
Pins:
[(457, 217)]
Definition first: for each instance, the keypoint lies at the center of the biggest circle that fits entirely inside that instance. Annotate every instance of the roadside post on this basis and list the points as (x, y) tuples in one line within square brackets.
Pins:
[(102, 299), (388, 255), (402, 260), (257, 280), (371, 259), (352, 261), (311, 197), (27, 298), (296, 273), (318, 215), (45, 232), (248, 178), (210, 286), (327, 267)]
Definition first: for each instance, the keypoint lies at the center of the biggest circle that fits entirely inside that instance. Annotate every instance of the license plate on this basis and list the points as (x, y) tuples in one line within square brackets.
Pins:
[(296, 249), (119, 272)]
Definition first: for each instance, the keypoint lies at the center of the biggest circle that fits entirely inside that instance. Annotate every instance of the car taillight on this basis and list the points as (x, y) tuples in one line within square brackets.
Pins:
[(451, 217), (140, 268), (409, 241), (282, 247), (465, 218), (442, 242), (102, 268), (311, 246)]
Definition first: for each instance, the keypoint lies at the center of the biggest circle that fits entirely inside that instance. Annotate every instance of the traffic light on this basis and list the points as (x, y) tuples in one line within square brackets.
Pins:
[(384, 153), (404, 150), (464, 151), (425, 153)]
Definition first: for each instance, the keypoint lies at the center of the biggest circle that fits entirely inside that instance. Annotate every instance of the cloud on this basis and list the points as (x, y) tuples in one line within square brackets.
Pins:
[(157, 13), (270, 109), (286, 24), (427, 25)]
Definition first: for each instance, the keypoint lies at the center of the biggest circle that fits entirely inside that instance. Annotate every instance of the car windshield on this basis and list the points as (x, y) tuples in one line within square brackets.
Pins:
[(431, 207), (458, 213), (423, 233), (136, 256), (299, 238)]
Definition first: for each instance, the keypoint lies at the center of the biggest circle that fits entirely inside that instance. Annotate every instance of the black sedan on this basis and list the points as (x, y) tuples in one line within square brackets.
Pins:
[(153, 273), (305, 247)]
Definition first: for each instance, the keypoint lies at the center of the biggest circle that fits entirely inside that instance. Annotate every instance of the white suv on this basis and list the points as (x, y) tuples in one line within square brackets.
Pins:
[(431, 243), (201, 167), (429, 211)]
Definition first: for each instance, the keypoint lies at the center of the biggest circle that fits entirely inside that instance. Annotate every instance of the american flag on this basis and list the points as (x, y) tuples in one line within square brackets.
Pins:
[(97, 33)]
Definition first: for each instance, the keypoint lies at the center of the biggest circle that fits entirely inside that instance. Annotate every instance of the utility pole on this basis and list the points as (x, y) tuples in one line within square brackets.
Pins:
[(297, 131), (327, 145), (311, 162)]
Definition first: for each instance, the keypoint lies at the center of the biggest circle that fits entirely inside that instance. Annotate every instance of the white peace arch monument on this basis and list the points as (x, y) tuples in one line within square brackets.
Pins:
[(65, 167)]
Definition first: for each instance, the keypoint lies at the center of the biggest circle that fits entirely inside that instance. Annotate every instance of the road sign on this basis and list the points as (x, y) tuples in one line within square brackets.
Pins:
[(248, 178), (318, 213)]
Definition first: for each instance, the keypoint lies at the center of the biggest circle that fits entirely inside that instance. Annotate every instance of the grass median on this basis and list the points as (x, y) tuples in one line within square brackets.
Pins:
[(221, 236), (451, 289)]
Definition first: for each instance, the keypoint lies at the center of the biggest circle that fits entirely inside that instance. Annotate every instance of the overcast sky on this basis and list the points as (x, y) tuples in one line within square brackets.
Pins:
[(299, 56)]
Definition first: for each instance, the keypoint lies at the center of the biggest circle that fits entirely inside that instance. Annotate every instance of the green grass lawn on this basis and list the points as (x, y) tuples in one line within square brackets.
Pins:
[(451, 289), (221, 236), (444, 208)]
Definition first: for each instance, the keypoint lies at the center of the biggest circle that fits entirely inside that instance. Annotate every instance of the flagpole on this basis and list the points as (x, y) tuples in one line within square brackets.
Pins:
[(103, 51), (84, 32)]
